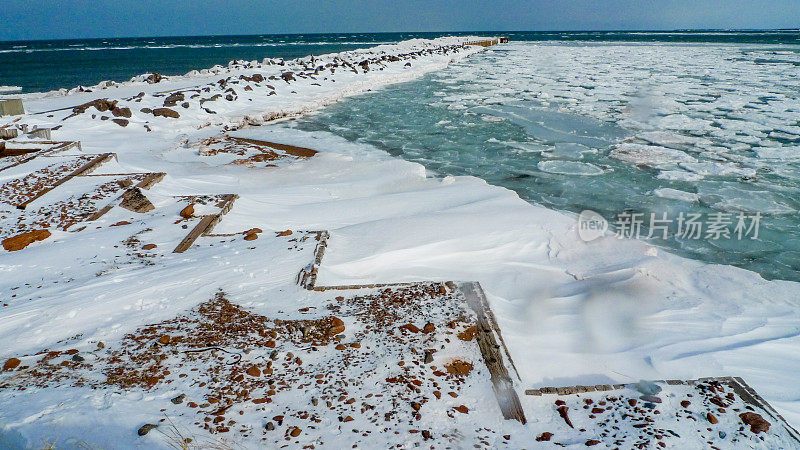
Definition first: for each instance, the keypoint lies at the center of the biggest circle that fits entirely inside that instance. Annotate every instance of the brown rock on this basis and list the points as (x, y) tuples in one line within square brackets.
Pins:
[(347, 419), (154, 78), (295, 432), (120, 223), (166, 112), (253, 230), (23, 240), (164, 340), (251, 237), (459, 367), (11, 364), (121, 122), (710, 417), (410, 327), (121, 112), (253, 371), (149, 246), (337, 327), (428, 328), (544, 436), (755, 421), (598, 410), (285, 233), (187, 212), (462, 409), (592, 442), (562, 411), (686, 403), (173, 99), (144, 429), (468, 334)]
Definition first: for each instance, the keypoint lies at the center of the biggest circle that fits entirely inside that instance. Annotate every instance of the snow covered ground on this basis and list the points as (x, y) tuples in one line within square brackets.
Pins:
[(571, 312)]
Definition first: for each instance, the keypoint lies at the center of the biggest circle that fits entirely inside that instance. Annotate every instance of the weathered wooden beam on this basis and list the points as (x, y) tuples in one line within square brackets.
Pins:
[(300, 152), (86, 168), (502, 384), (9, 150), (206, 224)]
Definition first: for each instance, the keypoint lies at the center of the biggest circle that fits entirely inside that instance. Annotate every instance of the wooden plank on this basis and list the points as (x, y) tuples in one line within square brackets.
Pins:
[(502, 384), (206, 224), (41, 152), (301, 152), (88, 167)]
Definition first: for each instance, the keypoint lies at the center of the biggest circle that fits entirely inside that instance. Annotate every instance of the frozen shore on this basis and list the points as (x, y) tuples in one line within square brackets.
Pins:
[(571, 312)]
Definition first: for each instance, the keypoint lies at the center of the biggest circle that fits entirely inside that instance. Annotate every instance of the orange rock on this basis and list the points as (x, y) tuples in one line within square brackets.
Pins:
[(253, 371), (149, 246), (468, 334), (285, 233), (270, 344), (11, 364), (340, 347), (250, 237), (410, 327), (337, 326), (428, 328), (459, 367), (437, 394), (462, 409), (295, 432), (253, 230), (347, 419), (164, 340), (187, 212), (23, 240), (711, 419), (355, 345)]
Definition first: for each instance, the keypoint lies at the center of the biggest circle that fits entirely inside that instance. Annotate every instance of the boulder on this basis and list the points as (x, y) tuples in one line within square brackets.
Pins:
[(121, 122), (755, 421), (23, 240), (121, 112), (187, 212), (154, 78), (166, 112), (11, 364)]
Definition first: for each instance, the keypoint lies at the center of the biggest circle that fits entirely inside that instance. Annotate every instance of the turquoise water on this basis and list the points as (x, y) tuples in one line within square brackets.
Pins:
[(37, 66), (488, 117)]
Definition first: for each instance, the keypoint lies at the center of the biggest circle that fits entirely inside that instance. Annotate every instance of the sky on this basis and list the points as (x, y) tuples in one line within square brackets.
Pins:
[(65, 19)]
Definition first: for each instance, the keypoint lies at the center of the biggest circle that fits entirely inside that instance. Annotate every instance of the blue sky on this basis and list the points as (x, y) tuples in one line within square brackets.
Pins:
[(62, 19)]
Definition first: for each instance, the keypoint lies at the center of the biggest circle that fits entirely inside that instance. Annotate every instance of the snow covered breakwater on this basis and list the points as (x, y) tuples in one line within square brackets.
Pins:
[(571, 312)]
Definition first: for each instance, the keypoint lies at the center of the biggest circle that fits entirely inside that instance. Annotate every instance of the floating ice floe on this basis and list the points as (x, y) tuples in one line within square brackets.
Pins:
[(569, 168), (650, 155), (782, 153), (714, 168), (675, 194)]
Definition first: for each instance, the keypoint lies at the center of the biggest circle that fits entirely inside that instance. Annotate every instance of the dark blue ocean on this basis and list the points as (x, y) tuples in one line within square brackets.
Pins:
[(36, 66)]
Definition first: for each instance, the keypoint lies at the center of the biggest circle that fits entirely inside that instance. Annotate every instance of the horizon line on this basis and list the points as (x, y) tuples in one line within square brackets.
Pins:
[(626, 30)]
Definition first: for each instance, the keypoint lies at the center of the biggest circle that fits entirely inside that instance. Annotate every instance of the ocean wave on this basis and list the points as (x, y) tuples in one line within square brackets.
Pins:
[(4, 89)]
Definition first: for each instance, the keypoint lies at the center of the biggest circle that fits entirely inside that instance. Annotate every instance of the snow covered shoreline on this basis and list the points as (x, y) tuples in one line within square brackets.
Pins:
[(571, 312)]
